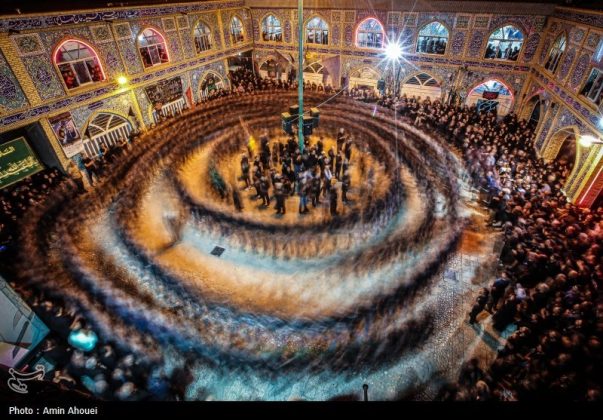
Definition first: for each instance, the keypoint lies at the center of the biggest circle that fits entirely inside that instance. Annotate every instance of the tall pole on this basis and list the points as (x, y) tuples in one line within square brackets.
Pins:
[(300, 75)]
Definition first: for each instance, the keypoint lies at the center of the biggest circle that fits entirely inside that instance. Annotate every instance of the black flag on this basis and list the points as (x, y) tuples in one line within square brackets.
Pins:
[(130, 112)]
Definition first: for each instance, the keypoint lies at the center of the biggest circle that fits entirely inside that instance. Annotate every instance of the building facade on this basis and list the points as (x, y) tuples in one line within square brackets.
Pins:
[(104, 72)]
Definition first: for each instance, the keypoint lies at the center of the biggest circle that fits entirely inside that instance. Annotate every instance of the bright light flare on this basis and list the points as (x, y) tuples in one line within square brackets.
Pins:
[(122, 80), (587, 141), (393, 51)]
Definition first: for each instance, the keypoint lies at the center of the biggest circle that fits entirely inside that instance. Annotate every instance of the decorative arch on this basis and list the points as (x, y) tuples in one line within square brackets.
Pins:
[(152, 47), (433, 38), (370, 33), (505, 43), (105, 128), (206, 87), (422, 84), (551, 149), (364, 76), (272, 28), (78, 63), (533, 109), (202, 36), (316, 72), (492, 94), (236, 29), (556, 52), (317, 30)]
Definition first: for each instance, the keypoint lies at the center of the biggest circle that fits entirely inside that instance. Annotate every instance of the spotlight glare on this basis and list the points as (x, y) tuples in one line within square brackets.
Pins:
[(587, 141), (601, 122), (393, 51), (122, 80)]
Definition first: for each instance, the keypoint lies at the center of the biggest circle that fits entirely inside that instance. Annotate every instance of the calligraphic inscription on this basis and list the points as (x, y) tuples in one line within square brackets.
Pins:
[(17, 161)]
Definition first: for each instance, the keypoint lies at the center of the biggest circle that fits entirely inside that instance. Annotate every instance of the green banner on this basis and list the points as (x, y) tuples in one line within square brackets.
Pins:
[(17, 161)]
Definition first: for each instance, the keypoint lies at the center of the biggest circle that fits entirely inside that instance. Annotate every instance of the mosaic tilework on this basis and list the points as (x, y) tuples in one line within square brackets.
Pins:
[(168, 24), (188, 45), (530, 47), (462, 21), (593, 40), (40, 22), (182, 22), (566, 64), (197, 75), (44, 76), (11, 95), (101, 33), (119, 104), (543, 133), (109, 55), (567, 98), (410, 20), (335, 38), (475, 44), (29, 44), (446, 18), (584, 17), (130, 55), (458, 42), (579, 71), (577, 35), (210, 19), (348, 35), (123, 30), (481, 22), (288, 31), (335, 16)]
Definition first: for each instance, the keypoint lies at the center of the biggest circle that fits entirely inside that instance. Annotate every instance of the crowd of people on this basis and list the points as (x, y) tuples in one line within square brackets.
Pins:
[(311, 174), (551, 271), (546, 290), (16, 199)]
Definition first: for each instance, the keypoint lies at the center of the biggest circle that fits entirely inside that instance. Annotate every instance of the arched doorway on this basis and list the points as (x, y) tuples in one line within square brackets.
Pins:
[(422, 85), (209, 83), (317, 73), (568, 151), (364, 78), (533, 110), (491, 96), (562, 145), (272, 69), (105, 129)]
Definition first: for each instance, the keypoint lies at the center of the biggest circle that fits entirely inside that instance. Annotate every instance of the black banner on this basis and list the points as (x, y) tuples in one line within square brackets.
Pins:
[(164, 91)]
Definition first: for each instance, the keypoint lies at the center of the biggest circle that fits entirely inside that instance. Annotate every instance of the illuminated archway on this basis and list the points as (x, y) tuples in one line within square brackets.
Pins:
[(152, 47), (504, 43), (491, 96), (422, 85), (370, 34), (105, 128), (78, 64)]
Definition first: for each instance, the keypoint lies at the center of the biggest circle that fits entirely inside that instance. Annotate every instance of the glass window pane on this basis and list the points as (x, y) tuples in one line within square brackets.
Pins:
[(81, 72)]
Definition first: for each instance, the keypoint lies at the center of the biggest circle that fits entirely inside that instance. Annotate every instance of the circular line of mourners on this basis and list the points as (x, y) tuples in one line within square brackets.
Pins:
[(133, 283)]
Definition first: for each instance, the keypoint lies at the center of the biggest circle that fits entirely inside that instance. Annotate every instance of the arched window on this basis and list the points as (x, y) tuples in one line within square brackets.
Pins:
[(593, 88), (272, 29), (78, 64), (370, 34), (236, 30), (202, 37), (555, 53), (504, 43), (317, 31), (433, 39), (153, 50)]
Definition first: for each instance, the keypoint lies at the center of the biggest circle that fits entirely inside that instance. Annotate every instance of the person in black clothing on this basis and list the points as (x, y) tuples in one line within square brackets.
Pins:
[(345, 186), (333, 199), (279, 194), (482, 299)]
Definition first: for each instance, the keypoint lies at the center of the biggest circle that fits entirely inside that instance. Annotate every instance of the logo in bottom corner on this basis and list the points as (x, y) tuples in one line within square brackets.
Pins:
[(17, 380)]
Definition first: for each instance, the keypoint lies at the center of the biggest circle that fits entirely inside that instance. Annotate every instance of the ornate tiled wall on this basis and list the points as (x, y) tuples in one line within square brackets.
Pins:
[(11, 94)]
